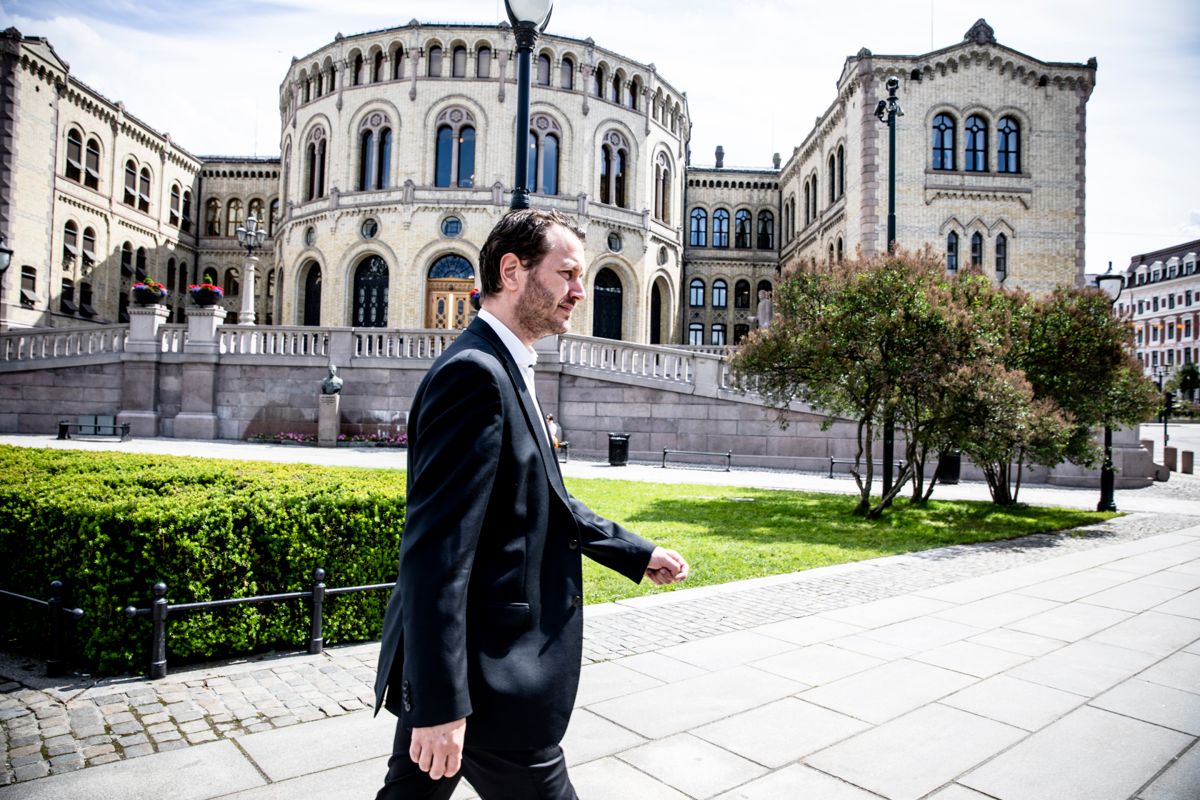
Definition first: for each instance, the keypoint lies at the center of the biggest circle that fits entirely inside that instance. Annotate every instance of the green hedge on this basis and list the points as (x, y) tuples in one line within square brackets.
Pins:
[(110, 525)]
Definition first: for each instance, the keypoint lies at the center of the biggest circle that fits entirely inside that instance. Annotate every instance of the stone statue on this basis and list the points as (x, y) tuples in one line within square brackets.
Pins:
[(332, 384), (763, 315)]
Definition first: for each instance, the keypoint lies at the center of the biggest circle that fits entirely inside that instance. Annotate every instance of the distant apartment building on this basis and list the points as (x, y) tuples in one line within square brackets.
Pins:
[(1161, 299)]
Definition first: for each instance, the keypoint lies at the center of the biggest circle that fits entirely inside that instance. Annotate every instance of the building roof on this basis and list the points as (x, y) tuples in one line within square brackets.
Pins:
[(1165, 254)]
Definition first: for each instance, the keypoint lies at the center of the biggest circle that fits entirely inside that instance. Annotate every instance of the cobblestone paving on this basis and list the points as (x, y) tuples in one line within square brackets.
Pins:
[(48, 727)]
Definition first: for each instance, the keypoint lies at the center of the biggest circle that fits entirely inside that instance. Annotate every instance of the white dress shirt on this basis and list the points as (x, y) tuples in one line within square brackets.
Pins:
[(526, 358)]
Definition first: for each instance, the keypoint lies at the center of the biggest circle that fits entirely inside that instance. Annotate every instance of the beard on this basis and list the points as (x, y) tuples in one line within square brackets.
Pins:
[(537, 307)]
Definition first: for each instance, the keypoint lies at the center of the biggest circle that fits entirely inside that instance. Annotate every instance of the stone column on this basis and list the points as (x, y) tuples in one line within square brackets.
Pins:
[(139, 378), (197, 418), (329, 419), (247, 316)]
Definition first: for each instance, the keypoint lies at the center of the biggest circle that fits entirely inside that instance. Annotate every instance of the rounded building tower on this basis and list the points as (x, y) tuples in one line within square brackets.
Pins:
[(397, 159)]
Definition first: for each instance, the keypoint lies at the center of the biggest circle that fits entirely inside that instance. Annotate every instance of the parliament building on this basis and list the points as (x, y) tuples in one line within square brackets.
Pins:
[(396, 160)]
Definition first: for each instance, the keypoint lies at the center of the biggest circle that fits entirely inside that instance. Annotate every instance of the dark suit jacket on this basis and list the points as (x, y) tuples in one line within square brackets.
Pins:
[(486, 620)]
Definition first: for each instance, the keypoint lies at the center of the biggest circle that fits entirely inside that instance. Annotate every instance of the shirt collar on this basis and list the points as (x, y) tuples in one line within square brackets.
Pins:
[(526, 357)]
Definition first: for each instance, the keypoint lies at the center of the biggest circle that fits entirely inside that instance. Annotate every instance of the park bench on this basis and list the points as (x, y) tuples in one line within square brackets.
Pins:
[(727, 455), (93, 425), (852, 461)]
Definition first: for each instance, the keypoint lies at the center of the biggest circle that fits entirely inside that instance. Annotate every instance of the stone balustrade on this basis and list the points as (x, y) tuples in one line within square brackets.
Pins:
[(46, 344)]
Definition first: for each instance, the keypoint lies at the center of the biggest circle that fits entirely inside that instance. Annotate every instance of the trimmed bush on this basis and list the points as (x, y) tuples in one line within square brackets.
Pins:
[(110, 525)]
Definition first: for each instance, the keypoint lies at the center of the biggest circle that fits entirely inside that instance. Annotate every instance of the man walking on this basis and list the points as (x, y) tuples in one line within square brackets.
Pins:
[(483, 637)]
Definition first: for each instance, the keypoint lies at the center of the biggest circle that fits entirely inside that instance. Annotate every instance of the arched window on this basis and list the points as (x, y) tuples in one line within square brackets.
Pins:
[(370, 293), (433, 62), (543, 70), (212, 217), (233, 217), (376, 72), (210, 276), (635, 89), (256, 210), (74, 168), (89, 247), (740, 331), (741, 294), (662, 188), (695, 334), (831, 255), (699, 228), (314, 165), (357, 70), (943, 142), (1008, 150), (720, 232), (717, 335), (70, 242), (374, 152), (126, 259), (455, 160), (696, 293), (176, 199), (483, 62), (976, 145), (807, 205), (398, 59), (185, 216), (459, 62), (320, 76), (598, 82), (607, 304), (977, 249), (815, 188), (273, 217), (233, 282), (566, 74), (129, 198), (841, 170), (952, 252), (741, 229), (766, 230), (840, 250), (720, 293), (615, 94), (1001, 257), (143, 203), (140, 264), (311, 300), (545, 135), (383, 159), (614, 163), (832, 178)]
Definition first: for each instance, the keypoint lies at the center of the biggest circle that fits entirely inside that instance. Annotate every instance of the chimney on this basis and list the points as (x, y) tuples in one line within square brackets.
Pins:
[(775, 160), (720, 157)]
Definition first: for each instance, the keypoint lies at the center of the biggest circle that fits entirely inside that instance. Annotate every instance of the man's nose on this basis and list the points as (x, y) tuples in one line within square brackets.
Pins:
[(575, 287)]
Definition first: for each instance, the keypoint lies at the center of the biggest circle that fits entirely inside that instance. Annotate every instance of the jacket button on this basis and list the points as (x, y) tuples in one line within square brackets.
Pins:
[(573, 544)]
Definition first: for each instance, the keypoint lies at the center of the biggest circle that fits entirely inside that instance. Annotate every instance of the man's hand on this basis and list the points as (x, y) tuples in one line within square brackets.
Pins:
[(438, 749), (666, 566)]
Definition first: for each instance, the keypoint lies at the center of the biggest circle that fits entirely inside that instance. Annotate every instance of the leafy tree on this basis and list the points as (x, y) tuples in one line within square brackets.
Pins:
[(1186, 379)]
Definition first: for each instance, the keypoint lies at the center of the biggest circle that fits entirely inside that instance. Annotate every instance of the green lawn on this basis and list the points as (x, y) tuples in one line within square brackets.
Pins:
[(731, 533)]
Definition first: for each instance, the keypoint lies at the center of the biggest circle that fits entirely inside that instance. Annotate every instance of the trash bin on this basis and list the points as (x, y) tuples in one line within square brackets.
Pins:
[(618, 449), (948, 467)]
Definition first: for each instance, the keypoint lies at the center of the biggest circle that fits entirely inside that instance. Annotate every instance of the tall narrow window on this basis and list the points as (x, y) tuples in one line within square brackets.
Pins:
[(698, 236), (615, 95), (66, 297), (544, 138), (483, 62), (185, 214), (454, 162), (943, 142), (74, 167), (358, 69), (126, 259), (976, 145), (840, 250), (444, 167), (566, 74), (233, 217), (741, 229), (831, 179), (314, 165), (398, 59), (144, 190), (89, 248), (766, 230), (70, 243), (952, 252), (1001, 257), (176, 199), (366, 159), (614, 155), (598, 82), (256, 210), (383, 160), (841, 170), (696, 293), (543, 70), (466, 157), (212, 217), (273, 217), (717, 335), (91, 175), (130, 196), (741, 294), (28, 286), (607, 305), (433, 58), (695, 334), (977, 249), (662, 188), (140, 264), (1008, 151), (720, 293), (720, 232), (459, 66), (635, 91), (605, 172), (376, 68)]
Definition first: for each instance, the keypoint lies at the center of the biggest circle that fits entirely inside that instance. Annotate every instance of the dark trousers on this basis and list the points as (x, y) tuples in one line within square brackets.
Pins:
[(493, 774)]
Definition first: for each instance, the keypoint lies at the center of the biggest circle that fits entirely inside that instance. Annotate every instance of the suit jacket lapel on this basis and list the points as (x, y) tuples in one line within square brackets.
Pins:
[(536, 428)]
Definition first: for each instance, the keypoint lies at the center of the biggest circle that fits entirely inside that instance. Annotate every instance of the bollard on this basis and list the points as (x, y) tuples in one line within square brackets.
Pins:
[(56, 664), (158, 636), (1148, 444), (1169, 454), (316, 642), (1187, 459)]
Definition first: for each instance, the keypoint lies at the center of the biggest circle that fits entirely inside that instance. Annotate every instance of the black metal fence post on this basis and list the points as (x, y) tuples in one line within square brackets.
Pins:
[(316, 641), (56, 665), (158, 636)]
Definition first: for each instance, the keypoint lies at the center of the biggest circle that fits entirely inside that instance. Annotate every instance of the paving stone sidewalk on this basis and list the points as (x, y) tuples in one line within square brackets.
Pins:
[(56, 726)]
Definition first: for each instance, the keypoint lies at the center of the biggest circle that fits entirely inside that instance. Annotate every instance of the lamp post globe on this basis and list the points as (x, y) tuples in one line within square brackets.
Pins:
[(529, 18), (251, 237), (6, 254)]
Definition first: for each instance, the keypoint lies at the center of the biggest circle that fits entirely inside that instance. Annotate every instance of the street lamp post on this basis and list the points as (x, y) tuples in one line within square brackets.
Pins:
[(1111, 284), (6, 255), (250, 237), (887, 111), (529, 18)]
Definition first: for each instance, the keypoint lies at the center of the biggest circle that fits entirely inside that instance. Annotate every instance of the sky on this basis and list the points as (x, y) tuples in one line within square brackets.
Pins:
[(756, 73)]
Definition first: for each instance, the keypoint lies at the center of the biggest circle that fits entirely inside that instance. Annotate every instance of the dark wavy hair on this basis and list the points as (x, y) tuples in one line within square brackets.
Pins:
[(522, 233)]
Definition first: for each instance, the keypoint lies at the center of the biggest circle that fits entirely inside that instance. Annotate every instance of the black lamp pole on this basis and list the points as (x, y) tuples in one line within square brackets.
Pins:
[(529, 18), (1111, 285), (6, 255), (887, 111)]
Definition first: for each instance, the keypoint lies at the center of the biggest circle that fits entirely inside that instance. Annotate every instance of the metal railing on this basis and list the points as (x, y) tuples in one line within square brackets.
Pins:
[(727, 455), (57, 613), (160, 609)]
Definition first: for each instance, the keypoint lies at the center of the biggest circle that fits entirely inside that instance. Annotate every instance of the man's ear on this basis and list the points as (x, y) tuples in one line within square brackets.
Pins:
[(510, 265)]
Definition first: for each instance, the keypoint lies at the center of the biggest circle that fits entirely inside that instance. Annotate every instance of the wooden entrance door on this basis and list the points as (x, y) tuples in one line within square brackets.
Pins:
[(448, 304)]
